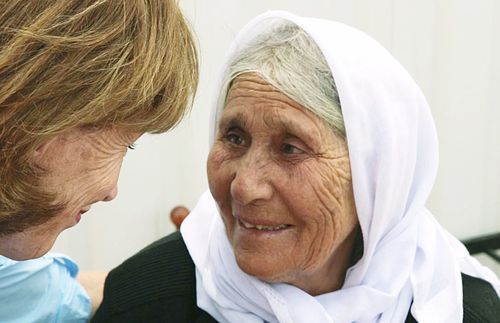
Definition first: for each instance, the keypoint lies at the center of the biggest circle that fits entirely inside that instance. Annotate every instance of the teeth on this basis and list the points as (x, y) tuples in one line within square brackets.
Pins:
[(263, 227)]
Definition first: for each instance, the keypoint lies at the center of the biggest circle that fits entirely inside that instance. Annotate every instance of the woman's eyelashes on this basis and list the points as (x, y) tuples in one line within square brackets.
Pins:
[(285, 145), (131, 146), (289, 149), (293, 146), (234, 136)]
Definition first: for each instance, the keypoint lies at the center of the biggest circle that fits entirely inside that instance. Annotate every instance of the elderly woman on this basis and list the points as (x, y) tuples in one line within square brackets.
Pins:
[(80, 81), (324, 153)]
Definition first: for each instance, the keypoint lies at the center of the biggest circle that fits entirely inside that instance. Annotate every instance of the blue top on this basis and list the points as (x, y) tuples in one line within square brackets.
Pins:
[(42, 290)]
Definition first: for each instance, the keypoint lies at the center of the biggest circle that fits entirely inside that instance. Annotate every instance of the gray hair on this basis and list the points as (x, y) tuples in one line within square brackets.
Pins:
[(287, 58)]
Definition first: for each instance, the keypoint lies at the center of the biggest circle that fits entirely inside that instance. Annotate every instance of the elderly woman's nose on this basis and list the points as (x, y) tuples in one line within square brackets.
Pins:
[(111, 194), (251, 182)]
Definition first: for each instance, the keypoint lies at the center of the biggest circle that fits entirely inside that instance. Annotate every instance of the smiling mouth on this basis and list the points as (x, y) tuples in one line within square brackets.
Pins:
[(247, 225)]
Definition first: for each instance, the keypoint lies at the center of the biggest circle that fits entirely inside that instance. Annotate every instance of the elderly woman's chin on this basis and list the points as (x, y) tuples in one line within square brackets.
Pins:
[(280, 257), (263, 254)]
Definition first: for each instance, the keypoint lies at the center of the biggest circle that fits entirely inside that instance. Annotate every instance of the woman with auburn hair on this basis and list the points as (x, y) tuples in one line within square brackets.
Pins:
[(80, 81)]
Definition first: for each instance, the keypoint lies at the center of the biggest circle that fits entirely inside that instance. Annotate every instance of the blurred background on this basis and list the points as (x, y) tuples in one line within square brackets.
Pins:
[(450, 47)]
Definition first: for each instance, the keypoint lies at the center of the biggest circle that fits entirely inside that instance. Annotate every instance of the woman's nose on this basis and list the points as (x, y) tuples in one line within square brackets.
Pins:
[(252, 181), (111, 194)]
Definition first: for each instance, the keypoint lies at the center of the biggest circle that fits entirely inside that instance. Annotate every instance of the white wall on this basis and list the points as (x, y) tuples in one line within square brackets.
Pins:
[(452, 49)]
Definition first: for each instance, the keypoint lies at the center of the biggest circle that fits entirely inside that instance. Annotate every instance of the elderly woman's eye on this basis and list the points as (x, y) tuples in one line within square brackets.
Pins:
[(290, 149), (234, 138), (131, 146)]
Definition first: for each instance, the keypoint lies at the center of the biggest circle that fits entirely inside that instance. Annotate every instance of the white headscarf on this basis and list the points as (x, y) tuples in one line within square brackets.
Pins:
[(409, 259)]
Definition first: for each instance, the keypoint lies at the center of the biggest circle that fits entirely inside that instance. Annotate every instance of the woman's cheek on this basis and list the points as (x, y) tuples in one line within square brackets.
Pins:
[(217, 170)]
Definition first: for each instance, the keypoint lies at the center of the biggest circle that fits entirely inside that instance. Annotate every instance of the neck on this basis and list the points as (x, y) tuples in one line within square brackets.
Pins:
[(21, 246)]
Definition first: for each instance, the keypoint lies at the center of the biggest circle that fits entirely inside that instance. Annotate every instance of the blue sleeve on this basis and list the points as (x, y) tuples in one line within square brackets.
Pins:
[(42, 290)]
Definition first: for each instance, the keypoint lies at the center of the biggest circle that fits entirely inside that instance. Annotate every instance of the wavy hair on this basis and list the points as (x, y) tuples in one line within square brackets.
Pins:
[(71, 63)]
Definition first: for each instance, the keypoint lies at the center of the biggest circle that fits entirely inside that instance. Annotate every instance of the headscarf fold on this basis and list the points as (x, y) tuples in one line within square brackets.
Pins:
[(409, 260)]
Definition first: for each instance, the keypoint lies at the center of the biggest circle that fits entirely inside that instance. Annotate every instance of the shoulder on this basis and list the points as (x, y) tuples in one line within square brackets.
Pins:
[(480, 301), (157, 284), (162, 268), (34, 290)]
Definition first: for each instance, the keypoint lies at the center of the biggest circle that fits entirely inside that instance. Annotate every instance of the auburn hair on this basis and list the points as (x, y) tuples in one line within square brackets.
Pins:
[(71, 63)]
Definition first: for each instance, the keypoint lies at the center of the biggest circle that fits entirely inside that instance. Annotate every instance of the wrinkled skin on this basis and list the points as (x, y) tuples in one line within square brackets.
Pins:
[(278, 166), (82, 167)]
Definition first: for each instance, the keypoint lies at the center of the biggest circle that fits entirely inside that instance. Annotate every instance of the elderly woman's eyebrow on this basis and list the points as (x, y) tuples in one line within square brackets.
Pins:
[(280, 122), (232, 120), (293, 127), (283, 123)]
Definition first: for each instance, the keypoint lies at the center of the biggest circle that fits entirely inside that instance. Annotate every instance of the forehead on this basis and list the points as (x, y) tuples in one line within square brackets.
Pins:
[(249, 88), (250, 95)]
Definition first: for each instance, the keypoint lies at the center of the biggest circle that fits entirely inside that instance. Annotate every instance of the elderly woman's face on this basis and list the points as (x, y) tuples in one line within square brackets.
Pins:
[(82, 168), (283, 183)]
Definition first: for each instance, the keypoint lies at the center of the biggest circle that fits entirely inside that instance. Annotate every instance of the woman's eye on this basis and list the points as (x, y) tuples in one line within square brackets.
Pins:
[(290, 149), (131, 146), (234, 139), (234, 136)]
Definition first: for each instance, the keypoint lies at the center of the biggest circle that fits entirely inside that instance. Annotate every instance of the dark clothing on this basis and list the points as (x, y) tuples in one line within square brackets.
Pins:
[(158, 284)]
